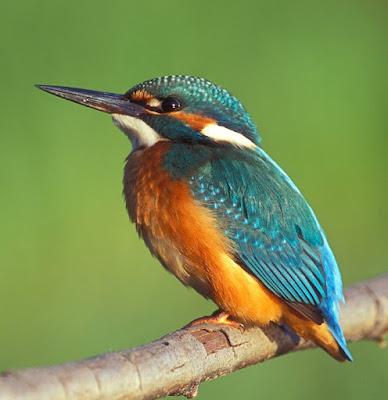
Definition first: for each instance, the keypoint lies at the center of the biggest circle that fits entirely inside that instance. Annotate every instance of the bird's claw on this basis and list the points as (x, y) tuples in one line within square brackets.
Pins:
[(217, 318)]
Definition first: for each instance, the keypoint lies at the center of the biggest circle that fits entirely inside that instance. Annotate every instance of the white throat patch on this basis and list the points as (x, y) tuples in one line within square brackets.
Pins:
[(221, 134), (140, 134)]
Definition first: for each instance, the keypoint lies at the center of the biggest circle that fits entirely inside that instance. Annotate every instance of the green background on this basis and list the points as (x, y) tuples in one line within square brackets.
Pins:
[(74, 278)]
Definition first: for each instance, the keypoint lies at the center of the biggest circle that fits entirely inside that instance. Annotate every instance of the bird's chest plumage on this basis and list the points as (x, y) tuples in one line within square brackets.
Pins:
[(181, 233)]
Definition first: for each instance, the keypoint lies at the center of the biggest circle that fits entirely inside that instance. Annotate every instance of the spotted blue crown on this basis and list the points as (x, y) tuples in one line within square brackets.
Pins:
[(201, 96)]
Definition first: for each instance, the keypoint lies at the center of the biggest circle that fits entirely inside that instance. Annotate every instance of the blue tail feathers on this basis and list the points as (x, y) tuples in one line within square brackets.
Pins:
[(335, 329), (335, 295)]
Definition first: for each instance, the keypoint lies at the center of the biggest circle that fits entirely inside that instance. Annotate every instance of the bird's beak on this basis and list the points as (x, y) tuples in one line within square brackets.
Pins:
[(107, 102)]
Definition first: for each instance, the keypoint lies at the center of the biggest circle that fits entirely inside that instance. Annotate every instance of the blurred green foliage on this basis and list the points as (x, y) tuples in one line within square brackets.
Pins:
[(74, 278)]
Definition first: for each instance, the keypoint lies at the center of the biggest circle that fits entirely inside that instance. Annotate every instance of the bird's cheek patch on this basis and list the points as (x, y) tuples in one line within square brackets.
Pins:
[(196, 122), (209, 127), (220, 133)]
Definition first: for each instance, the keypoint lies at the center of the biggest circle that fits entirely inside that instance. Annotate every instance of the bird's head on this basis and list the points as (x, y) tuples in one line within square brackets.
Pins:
[(177, 108)]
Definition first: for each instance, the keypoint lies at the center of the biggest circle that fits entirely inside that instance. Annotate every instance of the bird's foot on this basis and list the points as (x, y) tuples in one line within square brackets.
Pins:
[(219, 317)]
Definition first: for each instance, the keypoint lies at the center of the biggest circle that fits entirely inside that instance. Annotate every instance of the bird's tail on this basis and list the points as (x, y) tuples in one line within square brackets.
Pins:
[(332, 342), (335, 329), (327, 335)]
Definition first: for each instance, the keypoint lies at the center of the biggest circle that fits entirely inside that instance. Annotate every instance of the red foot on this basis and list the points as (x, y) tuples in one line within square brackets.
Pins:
[(217, 318)]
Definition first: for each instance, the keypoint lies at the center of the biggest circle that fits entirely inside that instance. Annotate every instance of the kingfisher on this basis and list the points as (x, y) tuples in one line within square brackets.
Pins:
[(218, 212)]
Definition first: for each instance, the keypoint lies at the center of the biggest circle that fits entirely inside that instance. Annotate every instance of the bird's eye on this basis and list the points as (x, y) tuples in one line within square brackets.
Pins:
[(170, 104)]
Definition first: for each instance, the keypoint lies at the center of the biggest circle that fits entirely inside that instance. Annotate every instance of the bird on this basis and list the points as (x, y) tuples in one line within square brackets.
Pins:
[(218, 212)]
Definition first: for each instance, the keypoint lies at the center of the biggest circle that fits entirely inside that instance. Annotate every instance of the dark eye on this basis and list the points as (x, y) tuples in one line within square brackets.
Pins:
[(170, 104)]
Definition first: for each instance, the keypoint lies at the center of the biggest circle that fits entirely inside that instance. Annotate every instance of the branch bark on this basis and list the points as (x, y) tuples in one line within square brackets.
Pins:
[(177, 363)]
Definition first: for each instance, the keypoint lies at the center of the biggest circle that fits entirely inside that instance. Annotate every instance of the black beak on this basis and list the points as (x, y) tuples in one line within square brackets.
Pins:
[(107, 102)]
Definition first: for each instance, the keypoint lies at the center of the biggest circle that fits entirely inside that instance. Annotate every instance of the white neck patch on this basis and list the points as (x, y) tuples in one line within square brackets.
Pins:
[(140, 134), (222, 134)]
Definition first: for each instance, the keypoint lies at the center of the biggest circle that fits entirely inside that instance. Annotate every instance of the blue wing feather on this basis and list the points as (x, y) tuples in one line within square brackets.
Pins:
[(274, 231)]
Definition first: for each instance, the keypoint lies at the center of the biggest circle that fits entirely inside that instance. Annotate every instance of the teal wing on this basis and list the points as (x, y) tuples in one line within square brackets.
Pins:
[(275, 234)]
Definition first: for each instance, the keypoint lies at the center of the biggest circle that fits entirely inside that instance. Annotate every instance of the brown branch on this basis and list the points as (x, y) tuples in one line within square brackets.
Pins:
[(180, 361)]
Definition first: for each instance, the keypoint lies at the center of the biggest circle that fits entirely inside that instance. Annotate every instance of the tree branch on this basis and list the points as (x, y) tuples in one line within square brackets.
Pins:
[(178, 362)]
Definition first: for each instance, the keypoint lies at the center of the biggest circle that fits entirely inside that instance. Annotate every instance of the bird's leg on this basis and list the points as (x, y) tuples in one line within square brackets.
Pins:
[(219, 317)]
